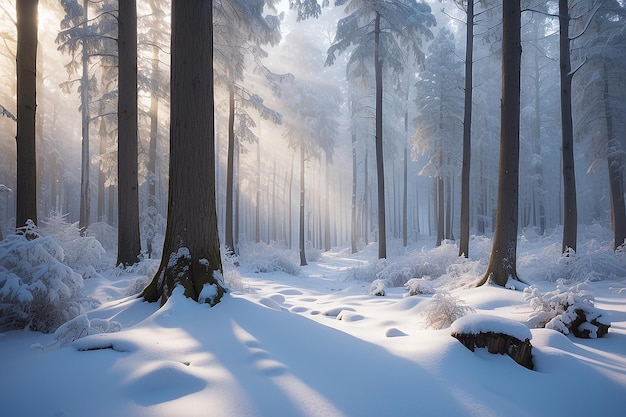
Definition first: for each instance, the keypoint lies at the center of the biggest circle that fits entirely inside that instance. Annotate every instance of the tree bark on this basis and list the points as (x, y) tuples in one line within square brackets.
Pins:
[(191, 251), (152, 153), (301, 237), (27, 22), (503, 259), (353, 221), (380, 169), (129, 244), (327, 243), (228, 229), (85, 198), (570, 220), (467, 134)]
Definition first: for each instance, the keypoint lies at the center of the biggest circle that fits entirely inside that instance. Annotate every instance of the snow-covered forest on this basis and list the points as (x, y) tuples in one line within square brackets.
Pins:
[(346, 184)]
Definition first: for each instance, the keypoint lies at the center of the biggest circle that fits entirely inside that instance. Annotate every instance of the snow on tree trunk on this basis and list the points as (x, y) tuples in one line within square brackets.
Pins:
[(503, 259), (191, 251)]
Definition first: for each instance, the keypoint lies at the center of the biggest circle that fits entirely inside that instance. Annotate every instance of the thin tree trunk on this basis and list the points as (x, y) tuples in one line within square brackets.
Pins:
[(353, 220), (503, 259), (85, 199), (380, 170), (293, 157), (152, 153), (405, 213), (129, 244), (467, 134), (101, 176), (327, 243), (570, 220), (228, 229), (301, 238), (26, 207), (539, 191), (440, 210), (257, 223), (366, 212)]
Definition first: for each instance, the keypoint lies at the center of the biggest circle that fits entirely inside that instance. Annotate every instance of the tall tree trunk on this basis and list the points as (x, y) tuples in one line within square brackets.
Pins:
[(614, 162), (26, 209), (293, 157), (257, 223), (301, 237), (228, 229), (129, 244), (101, 177), (467, 134), (353, 221), (502, 262), (440, 210), (405, 213), (570, 220), (191, 251), (538, 166), (366, 195), (152, 153), (85, 196), (237, 198), (327, 243), (380, 169)]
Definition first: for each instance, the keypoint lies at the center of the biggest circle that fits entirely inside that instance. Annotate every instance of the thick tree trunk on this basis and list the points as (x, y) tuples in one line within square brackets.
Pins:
[(301, 237), (503, 259), (129, 244), (380, 169), (191, 251), (614, 162), (85, 197), (467, 134), (570, 220), (230, 162), (26, 209)]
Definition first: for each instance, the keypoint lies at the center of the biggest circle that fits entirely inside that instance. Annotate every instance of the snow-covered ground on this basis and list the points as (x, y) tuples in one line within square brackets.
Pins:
[(318, 344)]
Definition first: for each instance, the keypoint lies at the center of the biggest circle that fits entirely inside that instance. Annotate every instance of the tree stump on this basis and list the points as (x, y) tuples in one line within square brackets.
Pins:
[(519, 351)]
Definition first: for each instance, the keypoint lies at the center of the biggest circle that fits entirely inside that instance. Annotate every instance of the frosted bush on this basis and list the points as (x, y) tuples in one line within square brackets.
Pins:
[(419, 286), (77, 328), (36, 289), (262, 258), (378, 287), (368, 272), (444, 309), (84, 255), (566, 309), (137, 285)]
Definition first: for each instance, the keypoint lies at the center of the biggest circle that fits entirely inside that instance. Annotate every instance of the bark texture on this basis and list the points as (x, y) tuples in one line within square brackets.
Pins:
[(503, 259), (26, 209), (129, 244), (191, 251), (380, 167)]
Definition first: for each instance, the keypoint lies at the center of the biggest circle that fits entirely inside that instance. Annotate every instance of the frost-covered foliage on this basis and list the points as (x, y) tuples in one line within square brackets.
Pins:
[(36, 289), (378, 287), (262, 258), (444, 309), (566, 309), (442, 262), (79, 327), (232, 278), (417, 286), (84, 254)]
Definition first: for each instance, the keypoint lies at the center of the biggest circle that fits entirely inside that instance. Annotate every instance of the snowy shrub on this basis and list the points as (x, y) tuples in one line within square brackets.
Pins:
[(36, 289), (419, 286), (232, 278), (137, 285), (368, 272), (444, 309), (79, 327), (377, 287), (567, 309), (84, 255), (262, 258)]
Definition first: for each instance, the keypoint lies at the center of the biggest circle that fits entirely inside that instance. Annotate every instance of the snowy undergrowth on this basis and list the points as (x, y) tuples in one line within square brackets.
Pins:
[(263, 258), (37, 290), (84, 254)]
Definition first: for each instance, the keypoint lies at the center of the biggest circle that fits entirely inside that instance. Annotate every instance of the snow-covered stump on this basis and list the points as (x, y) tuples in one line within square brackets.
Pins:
[(497, 334)]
